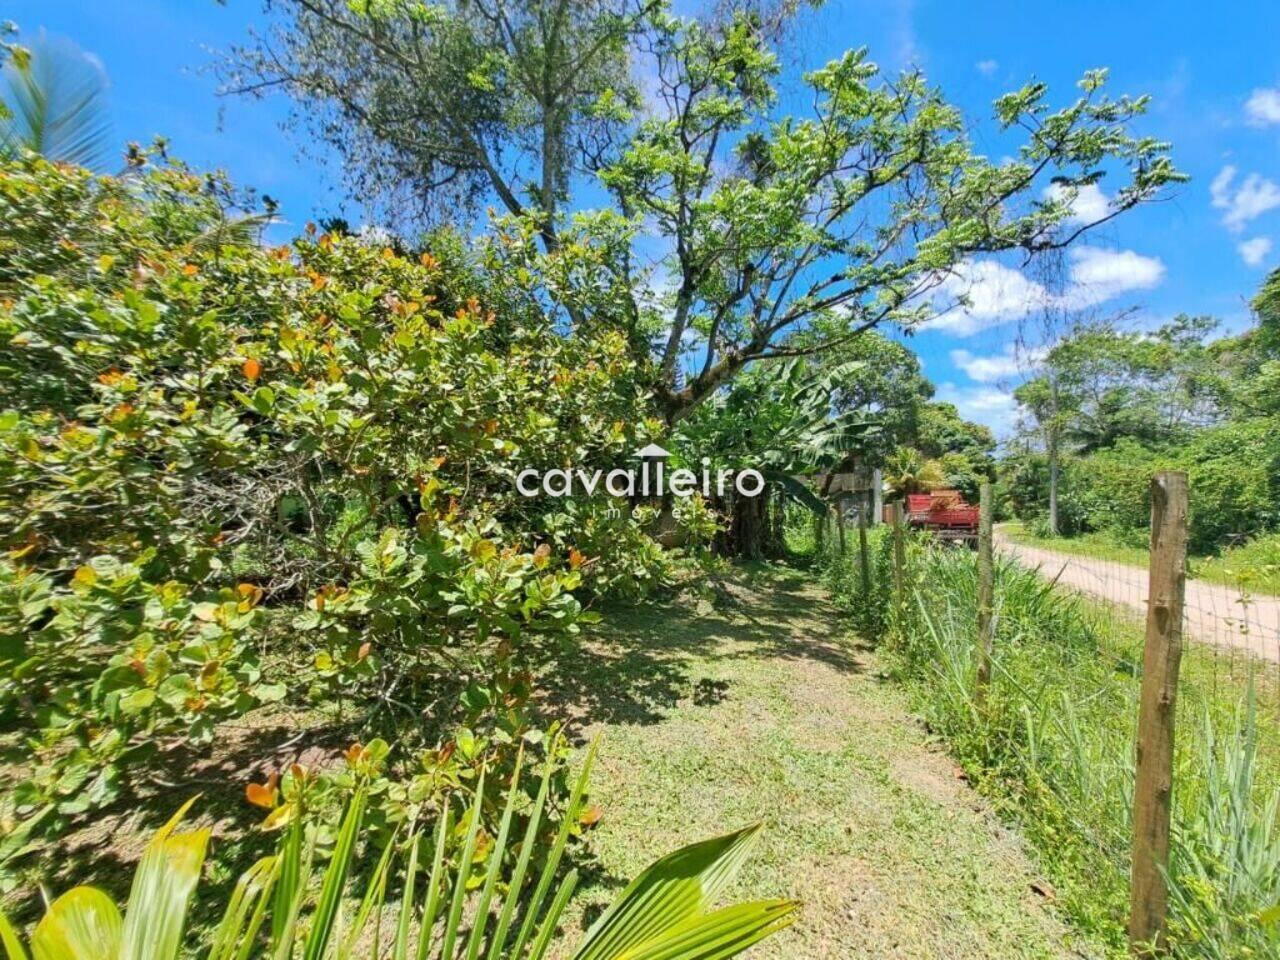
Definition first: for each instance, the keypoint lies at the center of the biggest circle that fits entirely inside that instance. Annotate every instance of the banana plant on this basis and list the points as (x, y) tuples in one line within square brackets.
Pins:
[(663, 914), (781, 420)]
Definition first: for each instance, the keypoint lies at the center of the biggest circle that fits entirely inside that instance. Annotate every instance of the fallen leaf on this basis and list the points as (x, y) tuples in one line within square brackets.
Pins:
[(263, 794)]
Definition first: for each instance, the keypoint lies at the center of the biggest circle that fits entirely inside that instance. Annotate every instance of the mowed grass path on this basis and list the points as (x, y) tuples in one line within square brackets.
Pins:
[(761, 707)]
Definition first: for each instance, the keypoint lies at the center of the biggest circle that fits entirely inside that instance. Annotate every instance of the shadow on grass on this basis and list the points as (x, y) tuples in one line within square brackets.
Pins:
[(633, 668), (639, 663), (103, 849)]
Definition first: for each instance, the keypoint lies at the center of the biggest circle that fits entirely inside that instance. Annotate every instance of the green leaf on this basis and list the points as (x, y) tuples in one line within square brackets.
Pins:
[(235, 936), (82, 924), (162, 887), (676, 889), (13, 948), (335, 878)]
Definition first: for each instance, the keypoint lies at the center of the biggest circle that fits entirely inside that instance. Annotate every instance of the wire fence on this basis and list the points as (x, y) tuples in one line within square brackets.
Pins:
[(1230, 627), (1154, 731)]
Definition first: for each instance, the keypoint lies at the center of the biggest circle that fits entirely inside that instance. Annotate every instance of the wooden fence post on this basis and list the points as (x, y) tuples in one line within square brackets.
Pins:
[(986, 589), (1153, 788), (840, 528), (864, 561), (899, 557)]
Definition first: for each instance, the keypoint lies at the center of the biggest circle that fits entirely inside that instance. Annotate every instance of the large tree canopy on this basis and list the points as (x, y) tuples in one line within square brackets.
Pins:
[(729, 227), (1103, 384)]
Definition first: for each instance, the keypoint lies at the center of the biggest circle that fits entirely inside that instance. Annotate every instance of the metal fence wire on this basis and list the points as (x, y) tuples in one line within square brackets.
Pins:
[(1192, 645)]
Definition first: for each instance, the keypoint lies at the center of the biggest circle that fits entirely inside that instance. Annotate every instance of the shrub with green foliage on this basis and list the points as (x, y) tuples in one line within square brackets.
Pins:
[(1233, 470), (211, 448)]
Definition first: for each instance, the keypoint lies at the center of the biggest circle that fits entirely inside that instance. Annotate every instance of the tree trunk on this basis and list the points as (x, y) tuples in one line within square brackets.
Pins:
[(1053, 488), (755, 531)]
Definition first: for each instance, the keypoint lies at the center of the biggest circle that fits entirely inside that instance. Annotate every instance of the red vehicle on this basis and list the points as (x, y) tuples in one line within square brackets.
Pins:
[(945, 513)]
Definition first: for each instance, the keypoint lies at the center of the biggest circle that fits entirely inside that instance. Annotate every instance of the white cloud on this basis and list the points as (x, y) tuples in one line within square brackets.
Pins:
[(987, 67), (1254, 197), (1263, 107), (1088, 205), (1254, 251), (1099, 275), (986, 405), (995, 367), (991, 293), (985, 293)]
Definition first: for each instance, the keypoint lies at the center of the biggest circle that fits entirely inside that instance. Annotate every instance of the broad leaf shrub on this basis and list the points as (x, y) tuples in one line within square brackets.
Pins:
[(98, 671), (231, 472), (459, 893)]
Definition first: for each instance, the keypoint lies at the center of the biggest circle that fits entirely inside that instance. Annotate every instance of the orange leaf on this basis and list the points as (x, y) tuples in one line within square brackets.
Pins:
[(364, 650), (263, 794), (251, 369), (575, 558), (591, 816)]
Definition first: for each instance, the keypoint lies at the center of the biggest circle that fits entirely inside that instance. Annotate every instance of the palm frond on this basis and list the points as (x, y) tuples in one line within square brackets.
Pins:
[(57, 99)]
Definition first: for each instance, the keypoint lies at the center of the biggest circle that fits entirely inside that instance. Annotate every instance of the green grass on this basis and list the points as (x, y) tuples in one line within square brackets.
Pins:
[(1254, 565), (1051, 744), (749, 702)]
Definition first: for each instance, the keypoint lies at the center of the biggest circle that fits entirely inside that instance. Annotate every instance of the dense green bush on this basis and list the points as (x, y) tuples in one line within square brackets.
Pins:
[(1233, 470), (1234, 473), (211, 448)]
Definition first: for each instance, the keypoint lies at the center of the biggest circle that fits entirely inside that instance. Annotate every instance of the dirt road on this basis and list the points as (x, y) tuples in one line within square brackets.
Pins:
[(1214, 614)]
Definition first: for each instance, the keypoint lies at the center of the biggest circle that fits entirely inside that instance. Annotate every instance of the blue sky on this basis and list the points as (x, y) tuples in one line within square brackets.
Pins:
[(1213, 72)]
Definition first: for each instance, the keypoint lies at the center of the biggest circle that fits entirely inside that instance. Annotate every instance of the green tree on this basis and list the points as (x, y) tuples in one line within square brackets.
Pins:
[(882, 381), (779, 419), (1100, 384), (941, 430), (431, 105), (842, 219), (1248, 365)]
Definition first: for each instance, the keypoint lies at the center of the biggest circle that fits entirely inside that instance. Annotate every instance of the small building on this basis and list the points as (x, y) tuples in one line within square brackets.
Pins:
[(855, 488)]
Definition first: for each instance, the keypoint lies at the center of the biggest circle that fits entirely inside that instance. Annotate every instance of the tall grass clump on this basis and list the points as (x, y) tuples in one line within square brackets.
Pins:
[(1051, 742)]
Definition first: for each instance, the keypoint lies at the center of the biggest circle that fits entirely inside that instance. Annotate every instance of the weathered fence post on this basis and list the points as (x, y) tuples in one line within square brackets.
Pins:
[(986, 589), (864, 561), (1153, 788), (899, 557)]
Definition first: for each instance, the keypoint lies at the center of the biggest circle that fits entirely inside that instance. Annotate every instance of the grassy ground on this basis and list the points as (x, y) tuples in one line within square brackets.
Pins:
[(755, 705), (1050, 742), (1254, 565), (743, 702)]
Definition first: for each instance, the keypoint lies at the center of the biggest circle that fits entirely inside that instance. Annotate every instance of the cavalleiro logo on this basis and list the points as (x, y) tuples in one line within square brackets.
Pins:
[(649, 479)]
